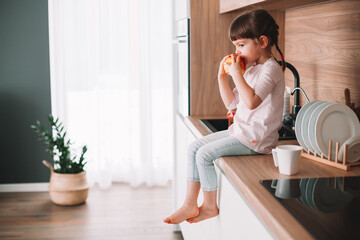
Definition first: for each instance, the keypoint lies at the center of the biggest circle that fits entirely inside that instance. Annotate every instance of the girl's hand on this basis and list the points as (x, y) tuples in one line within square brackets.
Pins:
[(222, 73), (226, 92), (235, 67)]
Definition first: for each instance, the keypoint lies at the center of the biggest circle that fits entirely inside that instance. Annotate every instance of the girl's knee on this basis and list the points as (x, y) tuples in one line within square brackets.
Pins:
[(204, 156), (194, 146)]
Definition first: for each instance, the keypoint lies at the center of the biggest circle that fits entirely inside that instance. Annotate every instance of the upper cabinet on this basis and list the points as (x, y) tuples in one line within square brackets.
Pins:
[(181, 9), (231, 5)]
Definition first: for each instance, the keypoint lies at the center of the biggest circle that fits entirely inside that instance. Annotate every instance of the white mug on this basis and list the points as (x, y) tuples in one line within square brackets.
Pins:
[(287, 158)]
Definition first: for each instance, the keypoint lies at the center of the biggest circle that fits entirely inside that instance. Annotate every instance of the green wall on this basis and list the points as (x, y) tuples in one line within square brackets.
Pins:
[(24, 89)]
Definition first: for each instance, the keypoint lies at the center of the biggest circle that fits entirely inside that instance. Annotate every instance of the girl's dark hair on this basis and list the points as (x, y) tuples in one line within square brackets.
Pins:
[(254, 24)]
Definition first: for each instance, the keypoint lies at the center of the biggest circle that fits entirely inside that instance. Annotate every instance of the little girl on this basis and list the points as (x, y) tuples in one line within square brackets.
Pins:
[(258, 97)]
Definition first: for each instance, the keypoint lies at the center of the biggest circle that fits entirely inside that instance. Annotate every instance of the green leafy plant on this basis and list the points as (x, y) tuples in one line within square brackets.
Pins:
[(59, 148)]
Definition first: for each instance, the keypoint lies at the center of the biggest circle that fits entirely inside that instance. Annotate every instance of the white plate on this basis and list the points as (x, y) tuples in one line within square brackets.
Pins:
[(298, 122), (305, 125), (311, 126), (353, 150), (336, 122)]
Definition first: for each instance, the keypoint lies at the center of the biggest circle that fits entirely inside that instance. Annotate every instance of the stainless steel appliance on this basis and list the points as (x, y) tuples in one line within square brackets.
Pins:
[(182, 66)]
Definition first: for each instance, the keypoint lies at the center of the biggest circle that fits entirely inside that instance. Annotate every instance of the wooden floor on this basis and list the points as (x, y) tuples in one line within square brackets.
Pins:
[(121, 212)]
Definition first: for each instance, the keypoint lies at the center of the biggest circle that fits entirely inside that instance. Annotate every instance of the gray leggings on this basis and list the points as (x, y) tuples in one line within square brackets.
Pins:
[(202, 153)]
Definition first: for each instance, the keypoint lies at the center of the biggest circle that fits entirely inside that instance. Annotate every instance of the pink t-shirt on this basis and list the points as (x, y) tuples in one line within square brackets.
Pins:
[(258, 128)]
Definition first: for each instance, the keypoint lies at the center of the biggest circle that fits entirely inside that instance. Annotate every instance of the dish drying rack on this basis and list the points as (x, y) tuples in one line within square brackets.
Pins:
[(328, 161)]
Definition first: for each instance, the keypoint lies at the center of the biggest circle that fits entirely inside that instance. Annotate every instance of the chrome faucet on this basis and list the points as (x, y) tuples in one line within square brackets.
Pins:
[(302, 90)]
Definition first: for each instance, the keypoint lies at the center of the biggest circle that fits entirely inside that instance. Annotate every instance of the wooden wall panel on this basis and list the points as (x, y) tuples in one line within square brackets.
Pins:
[(209, 44), (323, 43)]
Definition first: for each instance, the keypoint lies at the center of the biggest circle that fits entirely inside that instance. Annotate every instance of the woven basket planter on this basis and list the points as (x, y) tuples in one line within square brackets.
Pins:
[(67, 189)]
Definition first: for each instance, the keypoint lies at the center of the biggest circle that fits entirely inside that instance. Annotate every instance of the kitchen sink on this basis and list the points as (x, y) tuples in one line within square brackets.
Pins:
[(214, 125)]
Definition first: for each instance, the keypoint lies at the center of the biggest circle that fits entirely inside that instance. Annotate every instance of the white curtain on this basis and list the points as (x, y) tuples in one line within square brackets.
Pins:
[(111, 85)]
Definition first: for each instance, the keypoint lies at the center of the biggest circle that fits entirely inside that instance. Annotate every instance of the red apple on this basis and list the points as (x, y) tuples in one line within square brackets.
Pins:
[(228, 60)]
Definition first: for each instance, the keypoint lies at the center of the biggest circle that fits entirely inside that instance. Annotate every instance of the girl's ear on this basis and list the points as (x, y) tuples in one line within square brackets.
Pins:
[(264, 41)]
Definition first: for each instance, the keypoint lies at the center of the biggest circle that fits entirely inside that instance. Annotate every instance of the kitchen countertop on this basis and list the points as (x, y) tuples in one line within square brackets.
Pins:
[(245, 173)]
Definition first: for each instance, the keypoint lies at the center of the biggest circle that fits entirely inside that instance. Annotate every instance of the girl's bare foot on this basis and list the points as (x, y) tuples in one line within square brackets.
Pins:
[(205, 213), (183, 213)]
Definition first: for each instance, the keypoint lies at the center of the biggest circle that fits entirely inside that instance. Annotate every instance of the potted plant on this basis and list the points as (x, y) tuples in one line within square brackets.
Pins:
[(68, 184)]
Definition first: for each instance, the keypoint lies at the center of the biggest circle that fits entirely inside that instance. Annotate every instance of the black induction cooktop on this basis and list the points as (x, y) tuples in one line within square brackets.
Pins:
[(329, 208), (285, 133)]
